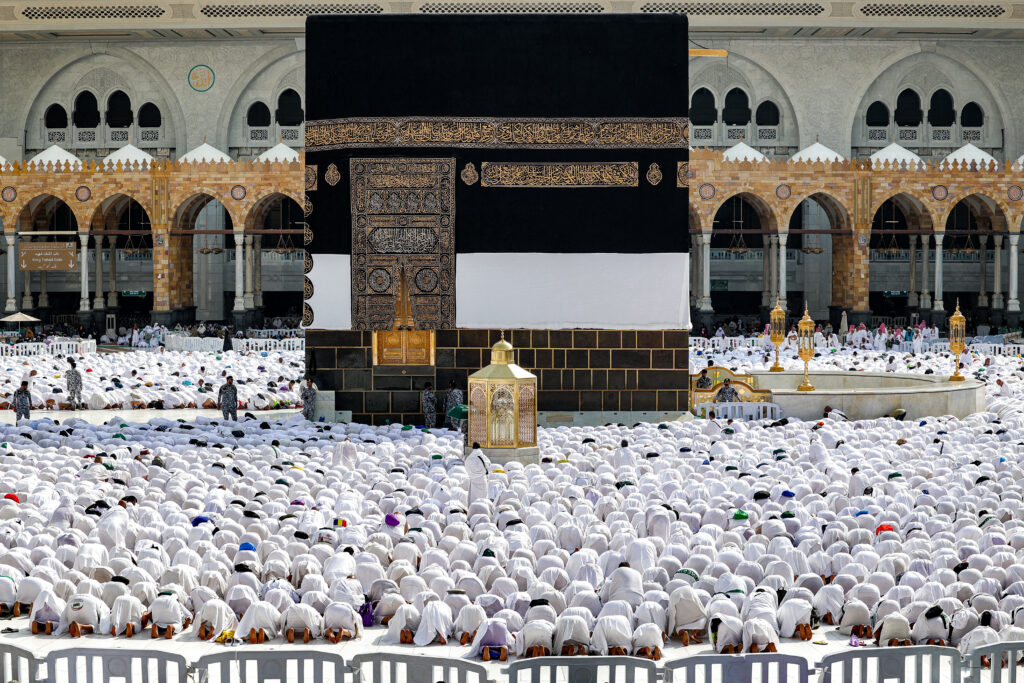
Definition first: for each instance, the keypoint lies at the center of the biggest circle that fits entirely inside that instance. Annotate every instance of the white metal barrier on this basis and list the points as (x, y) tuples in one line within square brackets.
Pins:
[(999, 663), (258, 345), (53, 348), (272, 333), (743, 411), (922, 664), (762, 668), (179, 342), (137, 666), (376, 668), (557, 669), (239, 666), (17, 664)]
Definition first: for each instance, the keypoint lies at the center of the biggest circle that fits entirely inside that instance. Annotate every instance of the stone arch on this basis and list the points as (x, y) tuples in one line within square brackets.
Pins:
[(765, 214), (839, 214), (990, 205), (256, 213), (136, 76), (910, 202), (27, 209), (118, 200), (188, 196)]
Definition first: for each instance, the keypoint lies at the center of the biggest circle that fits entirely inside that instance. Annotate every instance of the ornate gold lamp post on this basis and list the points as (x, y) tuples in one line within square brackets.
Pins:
[(778, 332), (957, 339), (805, 337)]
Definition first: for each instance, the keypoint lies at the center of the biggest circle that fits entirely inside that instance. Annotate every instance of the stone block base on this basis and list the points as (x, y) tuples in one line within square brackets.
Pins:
[(503, 456)]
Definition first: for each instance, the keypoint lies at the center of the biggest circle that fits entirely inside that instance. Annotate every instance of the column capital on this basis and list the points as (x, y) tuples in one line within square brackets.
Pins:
[(10, 239), (1014, 238), (84, 238), (938, 238)]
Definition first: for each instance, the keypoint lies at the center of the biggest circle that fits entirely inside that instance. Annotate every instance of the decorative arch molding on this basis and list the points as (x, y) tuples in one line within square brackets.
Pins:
[(262, 204), (839, 212), (759, 85), (267, 79), (110, 68)]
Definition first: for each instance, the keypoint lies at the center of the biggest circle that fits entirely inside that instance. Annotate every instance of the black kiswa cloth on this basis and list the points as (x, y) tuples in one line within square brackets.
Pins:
[(564, 67)]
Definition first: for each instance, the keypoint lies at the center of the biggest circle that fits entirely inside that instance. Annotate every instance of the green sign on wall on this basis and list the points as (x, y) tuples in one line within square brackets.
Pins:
[(201, 78), (719, 285), (134, 292)]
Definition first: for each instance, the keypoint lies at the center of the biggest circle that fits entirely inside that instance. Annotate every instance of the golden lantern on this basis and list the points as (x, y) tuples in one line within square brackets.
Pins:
[(778, 332), (503, 407), (805, 338), (957, 339)]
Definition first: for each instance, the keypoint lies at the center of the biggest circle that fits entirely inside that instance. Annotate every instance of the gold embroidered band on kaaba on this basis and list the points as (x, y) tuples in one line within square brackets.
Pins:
[(559, 174), (519, 133)]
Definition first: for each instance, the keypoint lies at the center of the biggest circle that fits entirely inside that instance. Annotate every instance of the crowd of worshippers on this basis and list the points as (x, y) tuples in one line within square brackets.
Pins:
[(162, 380), (622, 540)]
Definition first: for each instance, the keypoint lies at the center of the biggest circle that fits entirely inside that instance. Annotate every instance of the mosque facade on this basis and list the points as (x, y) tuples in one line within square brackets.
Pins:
[(930, 77)]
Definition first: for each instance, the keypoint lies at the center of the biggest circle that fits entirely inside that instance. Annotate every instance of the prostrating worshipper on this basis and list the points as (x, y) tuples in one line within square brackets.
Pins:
[(128, 616), (727, 394), (308, 398), (893, 631), (227, 399), (84, 614), (215, 617), (536, 639), (47, 613), (452, 398), (302, 617), (687, 617), (492, 641), (435, 624), (834, 414), (260, 622), (342, 622), (168, 615)]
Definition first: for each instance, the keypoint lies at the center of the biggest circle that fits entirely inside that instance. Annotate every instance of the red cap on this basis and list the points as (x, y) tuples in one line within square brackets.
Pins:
[(883, 527), (11, 496)]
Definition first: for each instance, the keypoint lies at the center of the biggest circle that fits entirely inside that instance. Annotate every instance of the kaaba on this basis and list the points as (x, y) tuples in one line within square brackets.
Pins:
[(473, 175)]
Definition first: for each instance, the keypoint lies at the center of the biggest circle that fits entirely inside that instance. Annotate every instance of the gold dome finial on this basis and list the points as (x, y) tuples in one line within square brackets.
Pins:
[(501, 352)]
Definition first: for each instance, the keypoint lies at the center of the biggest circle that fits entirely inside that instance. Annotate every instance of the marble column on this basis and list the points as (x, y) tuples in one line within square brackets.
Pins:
[(257, 296), (937, 304), (705, 289), (782, 268), (912, 293), (1013, 305), (99, 301), (112, 274), (248, 300), (982, 271), (695, 278), (44, 295), (12, 304), (239, 276), (84, 263), (925, 300), (26, 290), (773, 270), (997, 273), (766, 273)]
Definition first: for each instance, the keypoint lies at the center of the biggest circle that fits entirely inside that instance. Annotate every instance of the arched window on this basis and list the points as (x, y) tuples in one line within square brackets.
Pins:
[(908, 109), (941, 113), (702, 108), (149, 116), (119, 110), (767, 114), (972, 116), (878, 115), (737, 108), (289, 109), (55, 117), (86, 113), (258, 115)]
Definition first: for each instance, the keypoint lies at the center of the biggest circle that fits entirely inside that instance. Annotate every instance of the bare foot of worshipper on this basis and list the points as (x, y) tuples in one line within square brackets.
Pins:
[(129, 630), (986, 662), (75, 630), (937, 641), (253, 636), (202, 632), (771, 648), (695, 636), (17, 609), (728, 650), (406, 636), (48, 629), (657, 654), (346, 634), (306, 635), (290, 635), (384, 621), (754, 649), (486, 654), (804, 631), (146, 616), (169, 632), (617, 651), (503, 654), (464, 638), (329, 635), (828, 619), (155, 631)]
